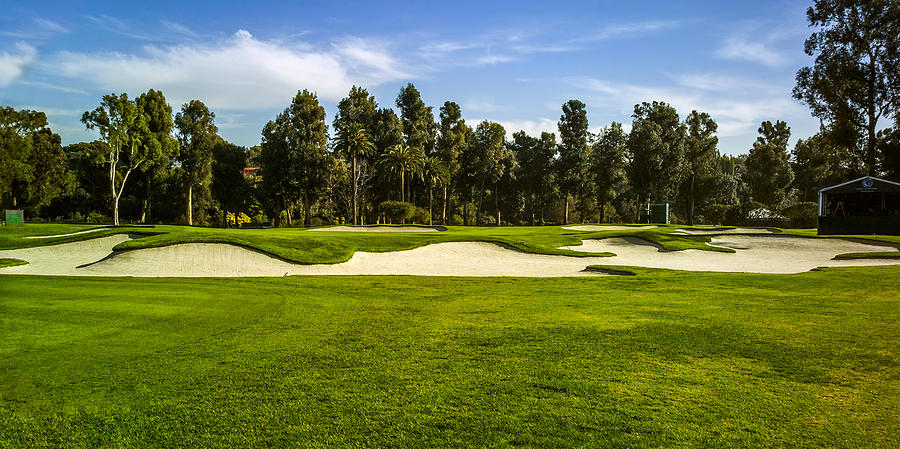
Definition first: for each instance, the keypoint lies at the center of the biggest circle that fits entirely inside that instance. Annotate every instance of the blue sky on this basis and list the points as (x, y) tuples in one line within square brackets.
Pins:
[(510, 62)]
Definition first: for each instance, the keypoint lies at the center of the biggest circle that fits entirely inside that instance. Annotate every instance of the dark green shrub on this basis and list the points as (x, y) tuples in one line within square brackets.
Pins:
[(397, 211), (802, 215)]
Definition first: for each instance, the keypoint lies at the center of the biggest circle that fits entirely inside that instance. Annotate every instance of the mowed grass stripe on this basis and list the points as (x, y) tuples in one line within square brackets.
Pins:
[(664, 358)]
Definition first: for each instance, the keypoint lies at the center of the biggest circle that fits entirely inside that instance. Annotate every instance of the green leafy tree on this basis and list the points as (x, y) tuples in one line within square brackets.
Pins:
[(293, 159), (419, 131), (33, 170), (450, 144), (387, 132), (197, 136), (436, 174), (353, 142), (534, 169), (656, 152), (490, 150), (229, 186), (607, 165), (122, 126), (573, 152), (769, 172), (818, 162), (160, 145), (855, 80), (701, 172)]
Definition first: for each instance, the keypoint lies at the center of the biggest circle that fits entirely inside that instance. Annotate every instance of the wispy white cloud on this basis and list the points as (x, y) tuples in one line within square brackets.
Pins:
[(61, 88), (737, 111), (14, 64), (240, 72), (741, 48), (38, 28), (178, 28), (50, 25), (628, 30)]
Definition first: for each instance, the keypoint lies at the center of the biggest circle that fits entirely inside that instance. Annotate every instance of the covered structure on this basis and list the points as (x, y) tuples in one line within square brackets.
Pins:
[(867, 205)]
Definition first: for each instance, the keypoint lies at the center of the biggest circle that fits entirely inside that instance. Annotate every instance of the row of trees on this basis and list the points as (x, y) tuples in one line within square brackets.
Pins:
[(378, 165)]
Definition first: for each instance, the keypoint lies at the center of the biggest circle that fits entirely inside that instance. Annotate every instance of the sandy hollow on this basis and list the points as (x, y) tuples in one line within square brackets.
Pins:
[(375, 229), (592, 228), (717, 231), (763, 254), (753, 254)]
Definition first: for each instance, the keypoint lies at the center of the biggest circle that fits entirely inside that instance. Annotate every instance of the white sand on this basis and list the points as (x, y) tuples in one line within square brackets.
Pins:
[(713, 231), (592, 228), (754, 254), (762, 254), (64, 235), (375, 229), (63, 258)]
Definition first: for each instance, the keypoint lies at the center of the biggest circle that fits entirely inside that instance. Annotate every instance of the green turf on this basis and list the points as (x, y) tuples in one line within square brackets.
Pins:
[(661, 359), (7, 262)]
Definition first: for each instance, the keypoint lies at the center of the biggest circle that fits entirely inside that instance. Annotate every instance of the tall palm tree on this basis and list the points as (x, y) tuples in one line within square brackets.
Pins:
[(353, 141), (401, 159), (436, 175)]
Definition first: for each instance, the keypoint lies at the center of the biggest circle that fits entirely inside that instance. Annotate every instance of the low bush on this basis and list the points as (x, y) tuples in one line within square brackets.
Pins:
[(397, 211), (802, 215)]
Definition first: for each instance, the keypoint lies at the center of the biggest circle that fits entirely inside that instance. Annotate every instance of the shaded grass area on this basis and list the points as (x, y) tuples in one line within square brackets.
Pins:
[(662, 359), (9, 262), (15, 237)]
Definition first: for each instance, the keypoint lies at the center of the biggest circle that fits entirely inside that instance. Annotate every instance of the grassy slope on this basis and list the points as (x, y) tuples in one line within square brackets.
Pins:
[(664, 358)]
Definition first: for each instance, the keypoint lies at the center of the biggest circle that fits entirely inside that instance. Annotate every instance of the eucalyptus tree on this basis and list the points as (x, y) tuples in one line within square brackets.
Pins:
[(534, 168), (490, 150), (121, 125), (656, 152), (451, 143), (353, 142), (436, 174), (161, 146), (769, 173), (419, 131), (573, 151), (293, 158), (855, 80), (387, 132), (701, 157), (359, 109), (196, 135), (33, 169), (228, 185), (607, 165)]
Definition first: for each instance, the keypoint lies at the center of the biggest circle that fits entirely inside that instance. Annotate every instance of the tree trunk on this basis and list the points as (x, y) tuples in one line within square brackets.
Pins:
[(532, 208), (430, 214), (480, 204), (497, 202), (354, 190), (444, 208), (690, 217), (603, 212), (566, 214), (190, 207), (145, 204), (115, 209), (306, 208), (402, 187)]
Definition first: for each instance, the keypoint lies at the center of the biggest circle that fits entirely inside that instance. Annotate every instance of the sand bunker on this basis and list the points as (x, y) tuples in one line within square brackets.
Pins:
[(375, 229), (592, 228), (64, 235), (762, 254), (717, 231), (754, 254)]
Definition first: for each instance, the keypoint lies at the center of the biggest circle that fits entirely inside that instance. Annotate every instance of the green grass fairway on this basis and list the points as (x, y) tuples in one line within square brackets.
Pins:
[(661, 359)]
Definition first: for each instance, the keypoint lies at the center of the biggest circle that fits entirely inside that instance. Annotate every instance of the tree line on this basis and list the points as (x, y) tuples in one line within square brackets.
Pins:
[(414, 164)]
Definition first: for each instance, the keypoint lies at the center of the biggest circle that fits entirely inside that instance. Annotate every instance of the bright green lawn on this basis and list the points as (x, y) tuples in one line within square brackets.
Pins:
[(661, 359)]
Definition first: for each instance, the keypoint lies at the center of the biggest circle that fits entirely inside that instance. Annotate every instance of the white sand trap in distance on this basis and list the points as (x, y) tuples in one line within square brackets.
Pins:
[(64, 235), (62, 259), (375, 229), (592, 228), (754, 254), (440, 259), (761, 254), (717, 231)]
